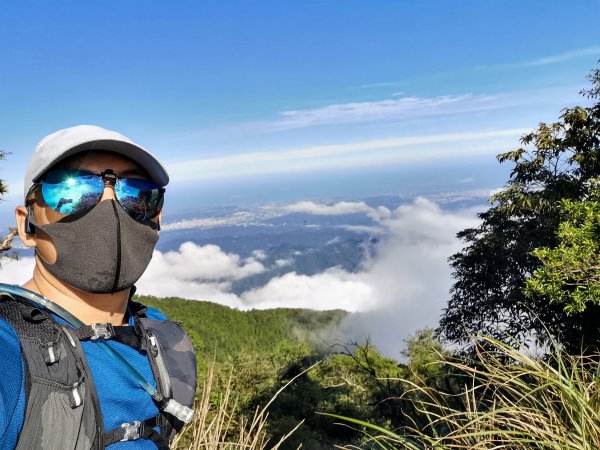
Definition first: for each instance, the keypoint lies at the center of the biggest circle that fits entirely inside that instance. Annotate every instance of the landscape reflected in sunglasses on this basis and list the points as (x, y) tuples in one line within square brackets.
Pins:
[(71, 192)]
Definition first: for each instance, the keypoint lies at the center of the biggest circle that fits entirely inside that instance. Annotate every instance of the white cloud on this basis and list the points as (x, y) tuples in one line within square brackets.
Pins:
[(259, 255), (546, 60), (334, 240), (197, 272), (399, 108), (534, 62), (16, 271), (328, 210), (356, 154), (199, 263), (283, 262), (562, 57), (237, 218), (373, 230), (331, 289), (168, 286), (402, 287), (338, 209)]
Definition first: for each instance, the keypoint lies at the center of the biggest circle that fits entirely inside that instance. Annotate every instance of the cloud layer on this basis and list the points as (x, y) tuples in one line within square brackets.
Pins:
[(403, 286), (356, 154), (399, 108)]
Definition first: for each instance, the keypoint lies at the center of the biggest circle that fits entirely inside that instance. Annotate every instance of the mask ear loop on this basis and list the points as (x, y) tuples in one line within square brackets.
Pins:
[(29, 221)]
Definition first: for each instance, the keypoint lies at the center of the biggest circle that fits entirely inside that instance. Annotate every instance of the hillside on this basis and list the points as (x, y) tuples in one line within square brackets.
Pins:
[(262, 349), (219, 331)]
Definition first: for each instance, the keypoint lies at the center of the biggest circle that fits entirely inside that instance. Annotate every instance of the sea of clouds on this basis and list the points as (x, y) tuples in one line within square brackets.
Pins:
[(401, 287)]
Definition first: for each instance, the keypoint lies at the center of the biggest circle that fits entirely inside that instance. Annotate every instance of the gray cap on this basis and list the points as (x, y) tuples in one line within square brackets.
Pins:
[(60, 145)]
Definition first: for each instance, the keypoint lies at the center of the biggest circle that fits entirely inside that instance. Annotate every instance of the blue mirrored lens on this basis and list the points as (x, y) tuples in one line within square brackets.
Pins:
[(142, 199), (71, 191)]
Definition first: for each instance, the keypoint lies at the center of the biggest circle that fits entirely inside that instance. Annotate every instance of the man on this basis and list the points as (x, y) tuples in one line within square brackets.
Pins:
[(84, 366)]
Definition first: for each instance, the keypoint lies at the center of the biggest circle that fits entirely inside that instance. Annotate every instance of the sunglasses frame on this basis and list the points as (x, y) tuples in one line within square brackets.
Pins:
[(109, 178)]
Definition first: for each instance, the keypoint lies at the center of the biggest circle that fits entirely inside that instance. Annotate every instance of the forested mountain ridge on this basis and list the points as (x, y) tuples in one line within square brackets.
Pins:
[(261, 350), (219, 331)]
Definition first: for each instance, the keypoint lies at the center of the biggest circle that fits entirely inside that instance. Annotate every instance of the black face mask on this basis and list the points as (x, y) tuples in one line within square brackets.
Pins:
[(102, 250)]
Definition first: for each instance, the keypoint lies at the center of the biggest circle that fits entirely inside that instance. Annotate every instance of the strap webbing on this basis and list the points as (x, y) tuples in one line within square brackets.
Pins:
[(128, 335), (137, 430), (124, 334)]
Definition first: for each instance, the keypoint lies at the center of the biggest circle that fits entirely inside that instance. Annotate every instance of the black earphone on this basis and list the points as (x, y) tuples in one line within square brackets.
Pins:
[(29, 227)]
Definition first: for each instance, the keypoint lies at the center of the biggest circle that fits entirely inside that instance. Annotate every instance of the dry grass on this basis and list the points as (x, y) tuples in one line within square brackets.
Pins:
[(528, 403), (218, 425)]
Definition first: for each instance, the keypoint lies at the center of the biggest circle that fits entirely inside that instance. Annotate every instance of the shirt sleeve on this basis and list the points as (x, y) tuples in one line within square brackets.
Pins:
[(12, 387)]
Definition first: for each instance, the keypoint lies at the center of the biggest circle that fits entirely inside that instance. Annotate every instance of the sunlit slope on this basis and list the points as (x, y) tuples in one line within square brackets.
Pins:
[(219, 331)]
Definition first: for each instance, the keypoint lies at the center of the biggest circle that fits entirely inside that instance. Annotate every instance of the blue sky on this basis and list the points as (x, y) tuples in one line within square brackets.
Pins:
[(332, 101), (236, 94)]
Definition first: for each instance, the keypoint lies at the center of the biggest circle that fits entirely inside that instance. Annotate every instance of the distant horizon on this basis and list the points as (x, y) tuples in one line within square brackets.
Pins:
[(225, 94), (416, 178)]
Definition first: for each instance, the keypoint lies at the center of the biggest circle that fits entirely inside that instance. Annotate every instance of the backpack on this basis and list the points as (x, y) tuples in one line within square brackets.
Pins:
[(62, 409)]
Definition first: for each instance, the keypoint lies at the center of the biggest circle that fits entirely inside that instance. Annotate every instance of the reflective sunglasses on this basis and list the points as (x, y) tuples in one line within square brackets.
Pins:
[(70, 191)]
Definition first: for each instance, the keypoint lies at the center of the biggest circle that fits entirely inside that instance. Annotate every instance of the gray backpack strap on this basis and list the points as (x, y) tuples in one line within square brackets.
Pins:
[(173, 361), (62, 408)]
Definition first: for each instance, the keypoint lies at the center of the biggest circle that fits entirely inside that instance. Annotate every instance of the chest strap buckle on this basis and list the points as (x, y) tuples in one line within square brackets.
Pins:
[(133, 430), (95, 331), (102, 330)]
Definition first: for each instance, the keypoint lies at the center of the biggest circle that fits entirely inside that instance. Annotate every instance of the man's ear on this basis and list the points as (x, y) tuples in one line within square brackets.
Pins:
[(23, 217)]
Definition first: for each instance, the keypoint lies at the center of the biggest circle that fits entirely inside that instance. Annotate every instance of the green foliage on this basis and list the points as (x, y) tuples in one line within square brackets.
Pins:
[(221, 333), (424, 351), (6, 241), (512, 400), (3, 187), (570, 274), (358, 382), (264, 350), (556, 163), (258, 352)]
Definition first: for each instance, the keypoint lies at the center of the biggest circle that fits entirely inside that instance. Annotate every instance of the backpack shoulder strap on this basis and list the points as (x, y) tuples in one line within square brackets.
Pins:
[(62, 409), (173, 361)]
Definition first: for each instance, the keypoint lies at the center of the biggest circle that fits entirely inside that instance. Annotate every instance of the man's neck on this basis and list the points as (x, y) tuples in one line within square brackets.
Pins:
[(86, 306)]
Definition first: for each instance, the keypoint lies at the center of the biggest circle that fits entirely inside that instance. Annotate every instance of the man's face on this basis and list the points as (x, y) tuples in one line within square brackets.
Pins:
[(96, 162)]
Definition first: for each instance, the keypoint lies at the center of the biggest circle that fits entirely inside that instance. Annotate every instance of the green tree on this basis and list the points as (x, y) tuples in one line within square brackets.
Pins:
[(570, 274), (3, 187), (6, 242), (425, 353), (358, 382), (556, 163)]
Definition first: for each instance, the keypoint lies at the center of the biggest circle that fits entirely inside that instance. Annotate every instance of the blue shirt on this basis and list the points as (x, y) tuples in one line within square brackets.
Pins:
[(121, 397)]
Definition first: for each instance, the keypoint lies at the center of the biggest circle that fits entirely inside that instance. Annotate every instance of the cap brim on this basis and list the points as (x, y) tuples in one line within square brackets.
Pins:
[(141, 156)]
